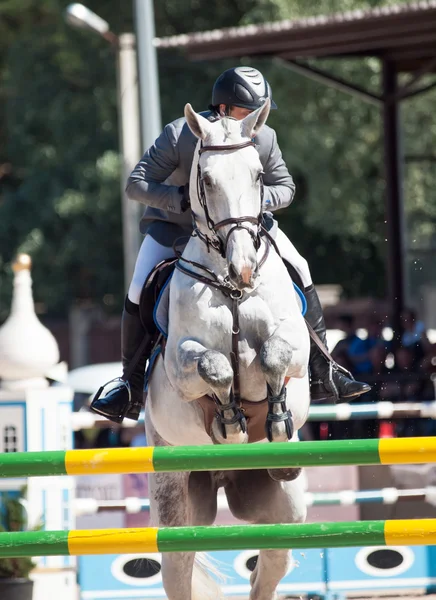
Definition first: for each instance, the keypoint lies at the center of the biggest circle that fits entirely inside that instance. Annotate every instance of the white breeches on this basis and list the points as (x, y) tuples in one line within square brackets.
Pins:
[(290, 253), (151, 253)]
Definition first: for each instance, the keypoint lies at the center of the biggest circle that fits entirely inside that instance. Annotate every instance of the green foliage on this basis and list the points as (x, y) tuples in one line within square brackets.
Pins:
[(12, 518), (59, 167), (61, 138)]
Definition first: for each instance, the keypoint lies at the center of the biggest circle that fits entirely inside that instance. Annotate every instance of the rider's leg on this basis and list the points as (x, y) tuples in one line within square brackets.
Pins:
[(116, 404), (328, 381)]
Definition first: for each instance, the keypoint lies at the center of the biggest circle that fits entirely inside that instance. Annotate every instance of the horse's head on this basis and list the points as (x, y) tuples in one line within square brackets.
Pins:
[(226, 190)]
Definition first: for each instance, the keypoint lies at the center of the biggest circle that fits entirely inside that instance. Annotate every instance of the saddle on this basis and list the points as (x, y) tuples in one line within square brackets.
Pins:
[(154, 287)]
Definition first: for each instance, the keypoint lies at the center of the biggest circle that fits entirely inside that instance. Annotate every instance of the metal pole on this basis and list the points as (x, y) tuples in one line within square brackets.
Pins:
[(130, 143), (151, 124), (327, 79), (394, 196)]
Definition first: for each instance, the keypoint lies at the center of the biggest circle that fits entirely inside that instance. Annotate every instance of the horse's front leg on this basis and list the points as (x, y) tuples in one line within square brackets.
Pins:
[(275, 361), (208, 372), (278, 361)]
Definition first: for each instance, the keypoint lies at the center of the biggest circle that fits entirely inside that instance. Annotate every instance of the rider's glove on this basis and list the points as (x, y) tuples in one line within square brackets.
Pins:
[(268, 220), (185, 203)]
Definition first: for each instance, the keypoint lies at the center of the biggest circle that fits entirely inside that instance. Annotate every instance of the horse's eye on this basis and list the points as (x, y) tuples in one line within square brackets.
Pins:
[(207, 181)]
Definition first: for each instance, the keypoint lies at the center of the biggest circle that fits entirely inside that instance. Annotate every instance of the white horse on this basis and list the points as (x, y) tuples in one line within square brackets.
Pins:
[(234, 296)]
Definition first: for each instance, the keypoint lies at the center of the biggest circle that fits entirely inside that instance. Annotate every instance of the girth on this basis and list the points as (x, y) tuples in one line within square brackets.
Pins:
[(254, 412)]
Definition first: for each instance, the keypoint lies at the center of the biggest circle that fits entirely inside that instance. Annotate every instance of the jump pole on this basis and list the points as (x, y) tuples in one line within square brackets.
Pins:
[(417, 532), (377, 410), (385, 451)]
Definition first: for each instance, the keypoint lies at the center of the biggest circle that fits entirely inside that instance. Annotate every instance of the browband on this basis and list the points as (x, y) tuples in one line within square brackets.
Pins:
[(224, 147)]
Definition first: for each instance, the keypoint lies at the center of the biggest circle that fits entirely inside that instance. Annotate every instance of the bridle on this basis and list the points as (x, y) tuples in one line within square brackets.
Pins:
[(216, 242), (208, 277)]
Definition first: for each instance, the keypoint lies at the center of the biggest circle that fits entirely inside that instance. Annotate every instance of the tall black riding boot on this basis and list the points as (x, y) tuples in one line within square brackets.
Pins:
[(125, 399), (328, 380)]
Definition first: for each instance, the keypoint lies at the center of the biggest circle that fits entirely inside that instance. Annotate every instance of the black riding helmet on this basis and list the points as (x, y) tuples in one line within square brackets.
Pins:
[(243, 86)]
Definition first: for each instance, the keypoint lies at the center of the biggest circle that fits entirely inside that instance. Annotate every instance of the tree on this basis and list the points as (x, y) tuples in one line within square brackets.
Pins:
[(59, 168), (61, 200)]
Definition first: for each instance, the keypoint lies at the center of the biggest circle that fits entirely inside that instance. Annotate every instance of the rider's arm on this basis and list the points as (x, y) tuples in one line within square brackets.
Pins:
[(279, 185), (145, 183)]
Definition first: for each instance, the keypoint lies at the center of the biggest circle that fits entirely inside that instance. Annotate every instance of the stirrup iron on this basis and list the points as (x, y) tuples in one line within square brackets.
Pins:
[(113, 384)]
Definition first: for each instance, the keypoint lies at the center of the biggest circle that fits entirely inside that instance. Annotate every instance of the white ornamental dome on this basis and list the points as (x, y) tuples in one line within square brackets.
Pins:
[(28, 350)]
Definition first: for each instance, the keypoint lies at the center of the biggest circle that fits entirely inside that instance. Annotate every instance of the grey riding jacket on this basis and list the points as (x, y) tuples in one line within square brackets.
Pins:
[(156, 179)]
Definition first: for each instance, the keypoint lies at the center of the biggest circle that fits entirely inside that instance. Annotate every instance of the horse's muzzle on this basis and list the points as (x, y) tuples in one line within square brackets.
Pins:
[(245, 278)]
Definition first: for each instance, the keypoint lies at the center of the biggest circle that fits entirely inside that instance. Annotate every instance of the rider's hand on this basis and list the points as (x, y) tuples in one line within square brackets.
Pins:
[(185, 202), (268, 220)]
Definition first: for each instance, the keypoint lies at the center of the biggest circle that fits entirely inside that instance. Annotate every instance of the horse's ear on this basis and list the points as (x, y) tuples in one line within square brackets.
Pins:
[(254, 122), (199, 126)]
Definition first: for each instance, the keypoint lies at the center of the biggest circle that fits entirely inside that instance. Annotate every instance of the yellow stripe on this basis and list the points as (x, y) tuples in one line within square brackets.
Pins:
[(113, 541), (411, 532), (407, 450), (104, 461)]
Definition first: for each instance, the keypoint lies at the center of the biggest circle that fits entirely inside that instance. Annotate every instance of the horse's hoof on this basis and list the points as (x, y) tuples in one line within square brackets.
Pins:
[(279, 427), (285, 474), (232, 437)]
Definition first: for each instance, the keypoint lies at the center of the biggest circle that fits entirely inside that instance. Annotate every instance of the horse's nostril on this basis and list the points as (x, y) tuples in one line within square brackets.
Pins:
[(232, 272)]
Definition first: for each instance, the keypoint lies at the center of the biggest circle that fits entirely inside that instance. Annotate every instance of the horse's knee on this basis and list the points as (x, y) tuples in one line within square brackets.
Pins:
[(215, 369), (275, 357), (240, 508)]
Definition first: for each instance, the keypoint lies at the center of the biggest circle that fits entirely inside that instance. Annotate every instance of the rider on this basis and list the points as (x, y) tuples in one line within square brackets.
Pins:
[(160, 182)]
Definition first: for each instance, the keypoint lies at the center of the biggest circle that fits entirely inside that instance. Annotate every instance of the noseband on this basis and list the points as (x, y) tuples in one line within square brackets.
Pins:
[(216, 242)]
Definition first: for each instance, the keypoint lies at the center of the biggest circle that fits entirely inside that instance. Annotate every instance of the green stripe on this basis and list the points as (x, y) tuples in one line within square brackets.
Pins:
[(245, 537), (34, 543), (28, 464), (211, 458), (265, 456), (231, 537)]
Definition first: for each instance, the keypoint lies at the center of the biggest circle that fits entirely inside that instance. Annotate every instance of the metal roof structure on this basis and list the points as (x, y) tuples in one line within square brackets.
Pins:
[(403, 37), (404, 34)]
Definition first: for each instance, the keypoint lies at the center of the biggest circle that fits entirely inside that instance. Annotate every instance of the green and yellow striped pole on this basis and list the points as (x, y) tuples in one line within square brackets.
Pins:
[(229, 537), (225, 457)]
